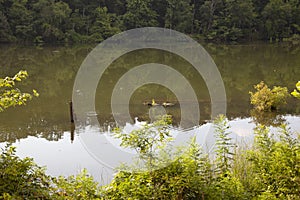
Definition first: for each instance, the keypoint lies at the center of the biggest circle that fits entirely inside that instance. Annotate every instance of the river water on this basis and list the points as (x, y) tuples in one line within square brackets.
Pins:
[(42, 128)]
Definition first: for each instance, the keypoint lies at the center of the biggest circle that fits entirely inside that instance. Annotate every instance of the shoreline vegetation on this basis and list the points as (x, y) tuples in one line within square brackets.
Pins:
[(218, 21), (267, 169)]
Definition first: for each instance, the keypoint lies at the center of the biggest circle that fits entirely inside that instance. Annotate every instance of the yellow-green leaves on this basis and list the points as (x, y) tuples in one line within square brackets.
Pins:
[(9, 82), (35, 93), (296, 92), (266, 99), (81, 186), (145, 139), (11, 96)]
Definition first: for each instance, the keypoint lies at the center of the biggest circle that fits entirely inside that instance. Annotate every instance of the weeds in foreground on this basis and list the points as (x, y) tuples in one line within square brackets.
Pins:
[(269, 169)]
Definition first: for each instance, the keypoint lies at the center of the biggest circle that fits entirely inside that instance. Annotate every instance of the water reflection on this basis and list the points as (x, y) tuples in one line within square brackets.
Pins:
[(273, 118), (52, 71), (64, 157)]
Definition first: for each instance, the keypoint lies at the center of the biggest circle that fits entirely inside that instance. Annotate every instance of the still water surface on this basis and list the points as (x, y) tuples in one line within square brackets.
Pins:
[(42, 129)]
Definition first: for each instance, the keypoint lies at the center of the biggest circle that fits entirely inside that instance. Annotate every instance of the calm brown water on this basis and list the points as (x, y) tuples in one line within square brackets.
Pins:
[(52, 73)]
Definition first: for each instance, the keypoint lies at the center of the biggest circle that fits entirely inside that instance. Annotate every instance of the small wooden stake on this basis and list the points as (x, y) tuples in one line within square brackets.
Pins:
[(72, 121), (71, 112), (72, 132)]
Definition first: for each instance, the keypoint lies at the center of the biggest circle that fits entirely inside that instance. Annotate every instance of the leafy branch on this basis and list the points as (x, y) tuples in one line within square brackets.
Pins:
[(296, 92), (12, 96)]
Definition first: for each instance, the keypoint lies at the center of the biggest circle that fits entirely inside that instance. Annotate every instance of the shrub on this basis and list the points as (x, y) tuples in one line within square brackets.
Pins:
[(187, 177), (269, 170), (148, 140), (265, 99), (78, 187), (276, 164), (22, 178), (189, 174)]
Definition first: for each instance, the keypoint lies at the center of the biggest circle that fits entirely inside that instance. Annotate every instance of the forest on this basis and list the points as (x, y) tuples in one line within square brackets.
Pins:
[(79, 21)]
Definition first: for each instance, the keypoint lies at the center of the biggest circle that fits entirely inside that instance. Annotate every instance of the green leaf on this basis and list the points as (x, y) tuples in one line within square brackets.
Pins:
[(18, 79), (35, 93)]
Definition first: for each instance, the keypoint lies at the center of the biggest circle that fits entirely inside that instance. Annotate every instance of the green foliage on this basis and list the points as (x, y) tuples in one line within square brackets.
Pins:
[(12, 96), (265, 99), (22, 178), (177, 180), (179, 15), (242, 171), (5, 31), (227, 187), (21, 26), (185, 178), (79, 21), (224, 185), (279, 15), (224, 146), (233, 21), (268, 170), (296, 92), (188, 175), (103, 26), (78, 187), (139, 14), (148, 138), (276, 164)]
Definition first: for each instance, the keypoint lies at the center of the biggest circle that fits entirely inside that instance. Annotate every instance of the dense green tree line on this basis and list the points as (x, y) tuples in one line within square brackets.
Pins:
[(92, 21)]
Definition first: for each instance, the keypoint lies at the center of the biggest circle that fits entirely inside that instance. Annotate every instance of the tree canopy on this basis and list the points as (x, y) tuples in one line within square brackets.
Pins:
[(54, 21)]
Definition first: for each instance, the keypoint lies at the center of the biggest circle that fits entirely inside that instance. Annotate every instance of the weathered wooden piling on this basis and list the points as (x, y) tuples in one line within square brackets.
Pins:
[(71, 112), (72, 121), (72, 132)]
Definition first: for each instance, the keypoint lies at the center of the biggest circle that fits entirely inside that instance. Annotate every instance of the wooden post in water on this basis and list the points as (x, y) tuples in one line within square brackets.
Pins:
[(71, 112), (72, 132), (72, 121)]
